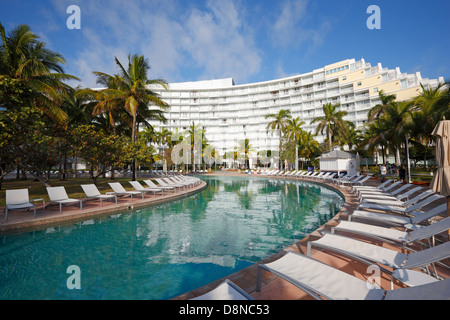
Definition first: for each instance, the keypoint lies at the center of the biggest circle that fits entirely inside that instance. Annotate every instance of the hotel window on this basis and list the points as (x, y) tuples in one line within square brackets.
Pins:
[(336, 70), (375, 89), (344, 78), (359, 83), (403, 83)]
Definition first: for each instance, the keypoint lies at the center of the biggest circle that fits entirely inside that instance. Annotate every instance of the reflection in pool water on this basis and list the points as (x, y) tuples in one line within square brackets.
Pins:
[(166, 250)]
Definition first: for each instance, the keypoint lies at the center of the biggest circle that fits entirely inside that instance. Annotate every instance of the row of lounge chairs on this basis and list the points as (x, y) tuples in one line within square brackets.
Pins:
[(19, 199), (411, 258), (341, 178)]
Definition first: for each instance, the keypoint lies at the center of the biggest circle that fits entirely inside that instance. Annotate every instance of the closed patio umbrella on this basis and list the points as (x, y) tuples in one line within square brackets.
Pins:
[(441, 180)]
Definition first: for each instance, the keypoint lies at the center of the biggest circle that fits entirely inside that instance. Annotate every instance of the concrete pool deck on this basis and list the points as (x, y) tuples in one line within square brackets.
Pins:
[(273, 288)]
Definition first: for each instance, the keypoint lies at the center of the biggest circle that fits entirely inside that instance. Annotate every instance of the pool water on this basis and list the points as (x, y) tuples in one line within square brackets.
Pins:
[(166, 250)]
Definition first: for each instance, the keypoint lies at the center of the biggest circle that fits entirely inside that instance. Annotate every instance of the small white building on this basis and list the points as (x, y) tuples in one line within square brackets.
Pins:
[(338, 161)]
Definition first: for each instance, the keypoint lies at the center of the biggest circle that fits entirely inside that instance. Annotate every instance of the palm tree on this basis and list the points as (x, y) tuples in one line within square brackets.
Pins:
[(25, 58), (374, 135), (198, 142), (78, 105), (397, 122), (428, 110), (294, 131), (279, 123), (378, 110), (332, 121), (245, 148), (308, 146), (129, 91)]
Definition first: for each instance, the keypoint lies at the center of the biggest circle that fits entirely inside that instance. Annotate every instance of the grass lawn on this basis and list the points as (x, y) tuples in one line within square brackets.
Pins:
[(73, 187)]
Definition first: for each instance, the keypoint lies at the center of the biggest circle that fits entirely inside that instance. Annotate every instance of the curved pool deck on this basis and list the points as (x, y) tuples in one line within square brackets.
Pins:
[(273, 288)]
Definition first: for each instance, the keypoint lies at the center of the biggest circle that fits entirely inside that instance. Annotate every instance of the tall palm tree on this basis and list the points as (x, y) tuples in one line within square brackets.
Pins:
[(378, 110), (294, 131), (279, 124), (397, 121), (308, 145), (374, 135), (245, 147), (24, 57), (332, 121), (129, 90), (429, 108), (197, 136)]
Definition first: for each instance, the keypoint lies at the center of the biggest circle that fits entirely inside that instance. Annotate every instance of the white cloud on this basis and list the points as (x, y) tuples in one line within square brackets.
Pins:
[(291, 27), (213, 40), (217, 41)]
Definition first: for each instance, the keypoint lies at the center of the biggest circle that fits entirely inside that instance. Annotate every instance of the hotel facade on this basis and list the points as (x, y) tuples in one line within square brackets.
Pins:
[(230, 113)]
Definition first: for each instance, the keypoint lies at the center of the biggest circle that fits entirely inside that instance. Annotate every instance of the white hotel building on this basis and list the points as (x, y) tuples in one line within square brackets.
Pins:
[(230, 113)]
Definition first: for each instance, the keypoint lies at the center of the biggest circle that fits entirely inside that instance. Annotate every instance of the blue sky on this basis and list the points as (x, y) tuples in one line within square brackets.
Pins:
[(248, 40)]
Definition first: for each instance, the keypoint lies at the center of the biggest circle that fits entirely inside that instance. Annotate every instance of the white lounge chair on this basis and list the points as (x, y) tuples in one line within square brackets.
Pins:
[(382, 190), (227, 290), (92, 192), (371, 197), (152, 185), (59, 195), (166, 184), (185, 183), (388, 201), (17, 200), (335, 177), (301, 174), (323, 281), (139, 187), (120, 190), (345, 178), (386, 192), (379, 188), (314, 174), (393, 235), (407, 208), (326, 175), (359, 182), (190, 180), (352, 181), (398, 220), (370, 253), (340, 176), (319, 175)]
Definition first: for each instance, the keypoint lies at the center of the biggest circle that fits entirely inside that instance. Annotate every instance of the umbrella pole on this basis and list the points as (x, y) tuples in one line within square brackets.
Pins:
[(448, 214)]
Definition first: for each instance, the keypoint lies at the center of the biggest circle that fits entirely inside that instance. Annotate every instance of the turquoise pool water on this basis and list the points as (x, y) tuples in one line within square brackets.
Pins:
[(166, 250)]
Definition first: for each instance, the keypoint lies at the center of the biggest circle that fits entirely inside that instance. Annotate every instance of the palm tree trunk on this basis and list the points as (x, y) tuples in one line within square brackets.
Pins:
[(408, 172), (296, 156), (329, 139), (133, 133), (279, 152), (75, 163)]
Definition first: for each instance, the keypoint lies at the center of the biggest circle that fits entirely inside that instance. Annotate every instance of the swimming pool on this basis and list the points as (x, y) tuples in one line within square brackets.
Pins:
[(163, 251)]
